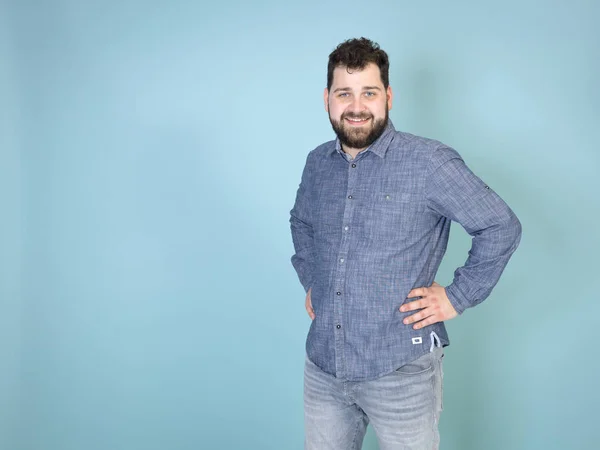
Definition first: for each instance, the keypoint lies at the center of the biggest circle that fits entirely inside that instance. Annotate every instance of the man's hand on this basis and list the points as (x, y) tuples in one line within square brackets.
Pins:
[(308, 305), (434, 306)]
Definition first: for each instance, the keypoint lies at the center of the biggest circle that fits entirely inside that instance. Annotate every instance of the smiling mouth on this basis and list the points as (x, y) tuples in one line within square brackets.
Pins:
[(357, 121)]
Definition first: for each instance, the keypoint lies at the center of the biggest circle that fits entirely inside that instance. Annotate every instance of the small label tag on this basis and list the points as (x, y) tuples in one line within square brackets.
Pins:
[(417, 340)]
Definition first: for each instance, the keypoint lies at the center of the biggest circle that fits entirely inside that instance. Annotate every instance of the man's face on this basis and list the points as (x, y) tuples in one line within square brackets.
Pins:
[(358, 106)]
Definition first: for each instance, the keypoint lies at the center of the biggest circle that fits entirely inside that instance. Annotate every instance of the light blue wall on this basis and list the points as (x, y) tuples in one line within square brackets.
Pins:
[(161, 147), (10, 238)]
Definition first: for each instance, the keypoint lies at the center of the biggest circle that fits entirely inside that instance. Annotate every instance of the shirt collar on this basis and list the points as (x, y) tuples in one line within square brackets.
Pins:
[(379, 147)]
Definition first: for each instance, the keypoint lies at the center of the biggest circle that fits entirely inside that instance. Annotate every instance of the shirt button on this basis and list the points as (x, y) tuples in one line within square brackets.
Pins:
[(353, 166), (338, 293), (338, 326), (350, 197), (346, 228), (341, 260)]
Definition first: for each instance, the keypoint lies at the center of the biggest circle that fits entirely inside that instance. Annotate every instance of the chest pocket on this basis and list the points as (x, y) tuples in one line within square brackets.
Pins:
[(393, 215)]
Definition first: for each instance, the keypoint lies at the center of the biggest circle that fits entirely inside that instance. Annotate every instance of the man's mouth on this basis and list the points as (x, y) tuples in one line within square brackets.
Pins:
[(357, 120)]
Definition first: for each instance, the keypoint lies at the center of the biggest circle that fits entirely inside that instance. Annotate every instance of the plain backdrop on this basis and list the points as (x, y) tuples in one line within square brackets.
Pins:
[(150, 153)]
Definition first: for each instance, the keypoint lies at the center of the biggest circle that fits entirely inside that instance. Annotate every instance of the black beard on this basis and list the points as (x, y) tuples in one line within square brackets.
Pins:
[(357, 138)]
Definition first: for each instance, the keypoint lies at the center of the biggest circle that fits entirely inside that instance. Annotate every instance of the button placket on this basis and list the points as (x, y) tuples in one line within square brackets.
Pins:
[(340, 275)]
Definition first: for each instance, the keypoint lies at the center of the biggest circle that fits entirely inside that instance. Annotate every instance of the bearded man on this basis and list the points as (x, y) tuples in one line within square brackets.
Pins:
[(370, 226)]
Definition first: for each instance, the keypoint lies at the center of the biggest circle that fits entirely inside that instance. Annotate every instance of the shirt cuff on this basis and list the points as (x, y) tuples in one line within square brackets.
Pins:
[(457, 299)]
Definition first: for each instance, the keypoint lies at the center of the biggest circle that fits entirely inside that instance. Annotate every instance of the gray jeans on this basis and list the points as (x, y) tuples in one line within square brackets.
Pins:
[(403, 407)]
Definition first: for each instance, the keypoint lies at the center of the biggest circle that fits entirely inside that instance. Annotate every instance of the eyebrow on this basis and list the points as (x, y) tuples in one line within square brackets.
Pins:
[(365, 88)]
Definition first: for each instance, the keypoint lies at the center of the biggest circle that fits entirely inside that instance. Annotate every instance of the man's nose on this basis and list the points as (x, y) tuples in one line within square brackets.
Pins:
[(357, 105)]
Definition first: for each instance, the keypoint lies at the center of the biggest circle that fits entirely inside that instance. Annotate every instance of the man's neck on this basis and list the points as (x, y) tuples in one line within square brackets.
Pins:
[(352, 151)]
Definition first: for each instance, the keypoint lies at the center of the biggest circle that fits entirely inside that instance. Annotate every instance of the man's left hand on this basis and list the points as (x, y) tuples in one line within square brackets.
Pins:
[(434, 306)]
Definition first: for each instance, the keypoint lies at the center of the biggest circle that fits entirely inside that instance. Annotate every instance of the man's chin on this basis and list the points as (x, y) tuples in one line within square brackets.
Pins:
[(352, 143), (358, 137), (355, 136)]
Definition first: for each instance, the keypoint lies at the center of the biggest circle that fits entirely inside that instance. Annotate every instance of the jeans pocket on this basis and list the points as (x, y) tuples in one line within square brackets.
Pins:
[(419, 366)]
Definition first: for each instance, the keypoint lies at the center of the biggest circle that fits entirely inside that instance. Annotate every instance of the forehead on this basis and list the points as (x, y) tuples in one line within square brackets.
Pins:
[(370, 75)]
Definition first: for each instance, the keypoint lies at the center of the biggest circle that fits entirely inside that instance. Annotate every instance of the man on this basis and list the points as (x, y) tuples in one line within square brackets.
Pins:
[(370, 226)]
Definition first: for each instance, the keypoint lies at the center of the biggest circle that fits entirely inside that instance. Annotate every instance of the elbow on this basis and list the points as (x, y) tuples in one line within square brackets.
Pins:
[(504, 231), (518, 229), (512, 230)]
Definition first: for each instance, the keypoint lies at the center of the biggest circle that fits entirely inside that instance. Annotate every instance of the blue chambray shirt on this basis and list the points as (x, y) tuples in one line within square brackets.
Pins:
[(366, 231)]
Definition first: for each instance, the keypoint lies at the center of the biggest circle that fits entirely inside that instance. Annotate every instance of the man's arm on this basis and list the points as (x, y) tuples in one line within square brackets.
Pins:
[(456, 193), (302, 230)]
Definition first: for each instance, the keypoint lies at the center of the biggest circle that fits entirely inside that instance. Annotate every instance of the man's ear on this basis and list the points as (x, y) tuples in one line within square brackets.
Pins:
[(326, 99), (390, 97)]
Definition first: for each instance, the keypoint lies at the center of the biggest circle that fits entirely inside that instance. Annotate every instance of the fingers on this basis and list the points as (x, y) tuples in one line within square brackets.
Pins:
[(310, 312), (418, 292), (427, 304), (423, 314), (426, 322), (424, 317), (412, 306), (308, 305), (434, 306)]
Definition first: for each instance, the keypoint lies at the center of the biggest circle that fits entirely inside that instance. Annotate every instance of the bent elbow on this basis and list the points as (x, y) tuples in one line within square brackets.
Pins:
[(512, 230)]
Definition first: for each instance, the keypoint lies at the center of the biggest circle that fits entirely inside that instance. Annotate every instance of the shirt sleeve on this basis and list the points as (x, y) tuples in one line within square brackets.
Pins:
[(455, 192), (302, 230)]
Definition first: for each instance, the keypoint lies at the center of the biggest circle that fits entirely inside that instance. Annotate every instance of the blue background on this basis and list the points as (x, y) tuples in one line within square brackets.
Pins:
[(149, 156)]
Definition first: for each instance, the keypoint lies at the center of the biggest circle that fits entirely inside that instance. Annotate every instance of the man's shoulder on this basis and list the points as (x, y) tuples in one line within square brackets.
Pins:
[(415, 142), (323, 150), (420, 147)]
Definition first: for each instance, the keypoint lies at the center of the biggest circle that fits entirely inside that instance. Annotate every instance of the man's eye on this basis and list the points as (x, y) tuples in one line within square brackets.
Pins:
[(343, 94), (370, 94)]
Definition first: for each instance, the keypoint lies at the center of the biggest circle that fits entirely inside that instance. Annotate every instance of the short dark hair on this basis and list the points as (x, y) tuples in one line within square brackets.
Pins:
[(355, 54)]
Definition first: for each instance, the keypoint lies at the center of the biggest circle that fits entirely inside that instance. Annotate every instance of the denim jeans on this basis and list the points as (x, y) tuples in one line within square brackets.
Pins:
[(403, 407)]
